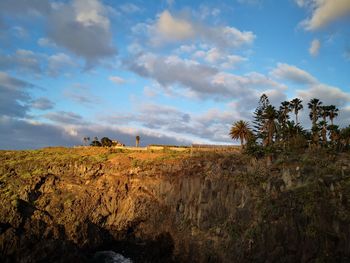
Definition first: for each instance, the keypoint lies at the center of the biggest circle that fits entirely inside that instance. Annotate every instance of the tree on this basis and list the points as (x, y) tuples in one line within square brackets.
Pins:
[(138, 141), (324, 113), (296, 136), (105, 141), (323, 124), (283, 116), (284, 110), (333, 112), (86, 140), (240, 130), (296, 106), (334, 133), (269, 115), (345, 137), (96, 142), (259, 122), (315, 108)]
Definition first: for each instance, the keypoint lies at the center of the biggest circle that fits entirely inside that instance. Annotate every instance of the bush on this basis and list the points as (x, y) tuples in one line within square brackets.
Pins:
[(105, 141), (96, 143)]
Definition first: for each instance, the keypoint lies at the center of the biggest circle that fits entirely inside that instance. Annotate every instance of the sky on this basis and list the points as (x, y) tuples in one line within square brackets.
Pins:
[(171, 71)]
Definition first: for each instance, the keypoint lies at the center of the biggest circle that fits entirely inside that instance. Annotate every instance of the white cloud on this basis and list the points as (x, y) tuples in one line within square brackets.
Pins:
[(88, 22), (14, 96), (59, 63), (324, 12), (212, 55), (90, 13), (22, 60), (315, 47), (20, 32), (81, 94), (64, 117), (207, 11), (27, 61), (186, 49), (42, 104), (117, 80), (45, 42), (300, 3), (171, 28), (292, 73), (19, 7), (327, 94), (187, 77), (30, 134), (209, 126)]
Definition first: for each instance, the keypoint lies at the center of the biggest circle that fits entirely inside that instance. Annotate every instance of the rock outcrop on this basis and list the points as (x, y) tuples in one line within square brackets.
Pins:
[(63, 205)]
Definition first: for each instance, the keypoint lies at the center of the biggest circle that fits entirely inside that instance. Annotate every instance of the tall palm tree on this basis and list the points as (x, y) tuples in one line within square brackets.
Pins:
[(282, 120), (324, 113), (138, 141), (285, 109), (296, 106), (240, 130), (314, 106), (323, 124), (333, 112), (270, 115)]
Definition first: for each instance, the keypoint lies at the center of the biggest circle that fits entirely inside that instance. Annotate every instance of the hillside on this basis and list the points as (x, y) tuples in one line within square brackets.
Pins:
[(63, 205)]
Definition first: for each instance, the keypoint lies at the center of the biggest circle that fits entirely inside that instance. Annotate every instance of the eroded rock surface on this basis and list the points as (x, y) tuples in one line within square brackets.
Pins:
[(63, 205)]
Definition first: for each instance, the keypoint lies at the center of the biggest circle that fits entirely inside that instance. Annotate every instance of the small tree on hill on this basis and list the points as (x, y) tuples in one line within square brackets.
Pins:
[(86, 140), (240, 130), (96, 142), (106, 142)]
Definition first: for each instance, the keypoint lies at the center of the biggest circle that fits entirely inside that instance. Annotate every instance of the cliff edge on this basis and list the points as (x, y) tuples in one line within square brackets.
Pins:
[(63, 205)]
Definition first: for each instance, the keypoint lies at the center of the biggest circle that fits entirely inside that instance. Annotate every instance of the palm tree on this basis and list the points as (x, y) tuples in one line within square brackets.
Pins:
[(284, 109), (240, 130), (333, 133), (270, 115), (296, 106), (137, 141), (333, 112), (282, 120), (314, 106), (324, 113), (323, 124)]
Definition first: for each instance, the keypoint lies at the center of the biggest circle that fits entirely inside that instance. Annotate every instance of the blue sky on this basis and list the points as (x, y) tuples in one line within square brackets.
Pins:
[(171, 71)]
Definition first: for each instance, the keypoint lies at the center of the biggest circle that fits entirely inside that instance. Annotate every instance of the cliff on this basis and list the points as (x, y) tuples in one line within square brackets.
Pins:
[(63, 205)]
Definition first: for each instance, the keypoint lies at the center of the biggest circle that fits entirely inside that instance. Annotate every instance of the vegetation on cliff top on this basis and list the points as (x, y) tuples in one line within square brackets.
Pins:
[(274, 133)]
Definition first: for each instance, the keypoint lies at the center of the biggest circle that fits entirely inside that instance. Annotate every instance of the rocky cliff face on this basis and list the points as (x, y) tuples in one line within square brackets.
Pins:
[(62, 205)]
